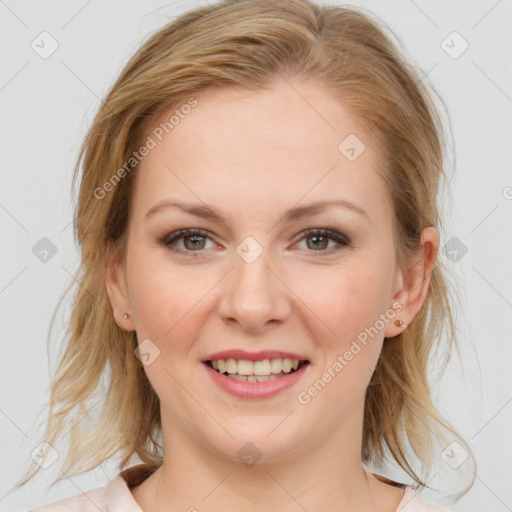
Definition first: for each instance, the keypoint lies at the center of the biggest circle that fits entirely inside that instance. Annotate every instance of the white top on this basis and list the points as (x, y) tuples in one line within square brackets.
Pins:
[(117, 497)]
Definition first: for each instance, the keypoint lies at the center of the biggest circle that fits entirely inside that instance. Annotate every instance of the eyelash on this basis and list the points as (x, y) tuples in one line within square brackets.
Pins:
[(341, 239)]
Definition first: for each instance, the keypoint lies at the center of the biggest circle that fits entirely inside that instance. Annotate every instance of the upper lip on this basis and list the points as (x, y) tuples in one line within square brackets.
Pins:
[(254, 356)]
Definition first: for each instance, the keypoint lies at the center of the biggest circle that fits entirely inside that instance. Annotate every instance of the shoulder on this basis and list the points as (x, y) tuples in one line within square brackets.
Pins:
[(94, 500), (412, 501), (114, 497)]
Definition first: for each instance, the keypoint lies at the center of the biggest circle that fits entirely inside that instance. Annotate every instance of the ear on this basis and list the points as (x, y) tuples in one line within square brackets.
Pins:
[(411, 284), (117, 291)]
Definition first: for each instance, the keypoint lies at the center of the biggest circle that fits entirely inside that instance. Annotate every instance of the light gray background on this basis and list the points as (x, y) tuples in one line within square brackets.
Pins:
[(46, 106)]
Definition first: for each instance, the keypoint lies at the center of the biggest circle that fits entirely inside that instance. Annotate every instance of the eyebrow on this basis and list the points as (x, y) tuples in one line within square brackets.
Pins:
[(294, 213)]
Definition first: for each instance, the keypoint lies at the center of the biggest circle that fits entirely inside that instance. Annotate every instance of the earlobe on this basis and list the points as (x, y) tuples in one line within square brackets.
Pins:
[(414, 282), (117, 294), (396, 327), (400, 324)]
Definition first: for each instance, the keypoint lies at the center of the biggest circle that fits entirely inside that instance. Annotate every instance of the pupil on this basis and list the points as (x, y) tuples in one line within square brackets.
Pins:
[(317, 237), (196, 240)]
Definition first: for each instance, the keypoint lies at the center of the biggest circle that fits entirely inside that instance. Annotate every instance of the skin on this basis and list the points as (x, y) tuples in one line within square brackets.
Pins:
[(252, 155)]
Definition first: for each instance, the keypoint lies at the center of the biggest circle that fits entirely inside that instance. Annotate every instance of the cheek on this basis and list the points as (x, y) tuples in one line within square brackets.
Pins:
[(350, 304), (349, 299), (169, 304), (165, 296)]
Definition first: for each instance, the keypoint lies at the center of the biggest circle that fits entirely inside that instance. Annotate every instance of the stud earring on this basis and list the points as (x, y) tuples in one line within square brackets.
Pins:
[(126, 316), (399, 323)]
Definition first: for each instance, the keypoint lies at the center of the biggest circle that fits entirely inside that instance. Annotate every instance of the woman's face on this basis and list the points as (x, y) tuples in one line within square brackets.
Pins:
[(257, 281)]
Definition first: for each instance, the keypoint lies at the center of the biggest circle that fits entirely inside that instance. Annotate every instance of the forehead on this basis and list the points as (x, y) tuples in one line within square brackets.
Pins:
[(267, 149)]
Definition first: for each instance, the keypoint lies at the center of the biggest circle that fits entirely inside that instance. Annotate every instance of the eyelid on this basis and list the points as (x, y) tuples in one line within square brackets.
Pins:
[(333, 234), (183, 233)]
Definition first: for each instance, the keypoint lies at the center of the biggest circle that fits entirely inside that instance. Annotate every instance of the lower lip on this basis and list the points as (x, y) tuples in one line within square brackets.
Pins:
[(255, 389)]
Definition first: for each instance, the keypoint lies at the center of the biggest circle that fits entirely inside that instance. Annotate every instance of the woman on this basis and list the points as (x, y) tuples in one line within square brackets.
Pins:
[(259, 280)]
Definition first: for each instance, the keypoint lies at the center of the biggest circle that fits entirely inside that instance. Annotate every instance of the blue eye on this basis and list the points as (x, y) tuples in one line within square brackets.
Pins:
[(194, 240)]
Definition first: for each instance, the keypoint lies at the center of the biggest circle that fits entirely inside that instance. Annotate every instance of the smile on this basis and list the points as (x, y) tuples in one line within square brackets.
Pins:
[(255, 379), (264, 370)]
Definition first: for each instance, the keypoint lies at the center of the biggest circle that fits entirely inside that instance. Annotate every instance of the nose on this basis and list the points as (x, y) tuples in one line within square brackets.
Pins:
[(254, 295)]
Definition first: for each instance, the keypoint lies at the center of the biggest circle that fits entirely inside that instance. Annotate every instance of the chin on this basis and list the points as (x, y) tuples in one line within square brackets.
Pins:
[(261, 440)]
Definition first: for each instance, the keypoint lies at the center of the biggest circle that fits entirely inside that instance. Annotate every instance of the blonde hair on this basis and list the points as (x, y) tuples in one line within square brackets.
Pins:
[(249, 44)]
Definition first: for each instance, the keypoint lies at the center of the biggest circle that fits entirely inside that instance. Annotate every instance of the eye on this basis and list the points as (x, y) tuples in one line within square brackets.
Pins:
[(194, 240), (320, 240)]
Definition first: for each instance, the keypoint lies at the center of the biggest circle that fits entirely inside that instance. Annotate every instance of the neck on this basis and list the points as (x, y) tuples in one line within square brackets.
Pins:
[(322, 472), (235, 487), (322, 478)]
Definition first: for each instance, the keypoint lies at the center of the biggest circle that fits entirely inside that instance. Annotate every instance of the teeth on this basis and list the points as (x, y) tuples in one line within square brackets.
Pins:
[(254, 369), (244, 367), (255, 378), (262, 367), (231, 366), (276, 365), (265, 378)]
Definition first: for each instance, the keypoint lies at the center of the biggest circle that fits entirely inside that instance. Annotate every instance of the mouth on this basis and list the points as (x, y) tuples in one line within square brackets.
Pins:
[(264, 370)]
